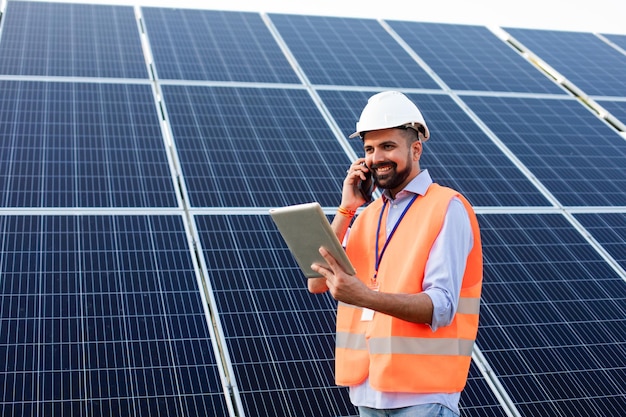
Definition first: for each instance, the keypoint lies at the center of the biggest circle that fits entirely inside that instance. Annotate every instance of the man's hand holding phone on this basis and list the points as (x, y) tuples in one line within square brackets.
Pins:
[(358, 185)]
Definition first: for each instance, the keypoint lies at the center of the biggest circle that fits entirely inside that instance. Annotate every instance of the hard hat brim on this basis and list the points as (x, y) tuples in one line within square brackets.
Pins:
[(424, 135)]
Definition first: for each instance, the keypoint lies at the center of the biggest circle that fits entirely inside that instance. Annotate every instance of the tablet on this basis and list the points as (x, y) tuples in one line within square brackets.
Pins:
[(305, 228)]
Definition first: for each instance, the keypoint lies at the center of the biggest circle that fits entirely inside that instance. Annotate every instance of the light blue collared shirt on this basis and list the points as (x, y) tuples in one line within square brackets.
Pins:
[(443, 276)]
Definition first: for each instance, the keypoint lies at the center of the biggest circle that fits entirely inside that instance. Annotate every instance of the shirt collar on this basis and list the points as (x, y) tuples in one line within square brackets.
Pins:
[(418, 185)]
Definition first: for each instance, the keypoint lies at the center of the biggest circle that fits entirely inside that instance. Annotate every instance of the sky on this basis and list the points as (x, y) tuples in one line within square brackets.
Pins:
[(602, 16)]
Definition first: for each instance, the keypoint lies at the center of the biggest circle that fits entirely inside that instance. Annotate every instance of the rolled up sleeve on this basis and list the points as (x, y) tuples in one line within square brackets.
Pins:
[(445, 267)]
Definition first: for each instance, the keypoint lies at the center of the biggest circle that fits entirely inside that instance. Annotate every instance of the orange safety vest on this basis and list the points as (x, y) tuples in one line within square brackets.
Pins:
[(399, 356)]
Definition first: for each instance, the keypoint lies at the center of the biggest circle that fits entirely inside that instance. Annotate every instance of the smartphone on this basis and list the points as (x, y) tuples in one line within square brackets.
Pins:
[(366, 187)]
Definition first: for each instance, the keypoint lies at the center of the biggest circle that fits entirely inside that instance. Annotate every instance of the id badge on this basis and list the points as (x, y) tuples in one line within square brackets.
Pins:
[(367, 314)]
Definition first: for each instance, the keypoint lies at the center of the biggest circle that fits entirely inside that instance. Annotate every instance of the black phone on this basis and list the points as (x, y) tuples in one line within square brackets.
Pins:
[(366, 187)]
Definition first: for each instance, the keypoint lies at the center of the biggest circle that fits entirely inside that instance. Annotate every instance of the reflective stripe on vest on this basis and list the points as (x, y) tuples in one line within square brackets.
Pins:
[(406, 345)]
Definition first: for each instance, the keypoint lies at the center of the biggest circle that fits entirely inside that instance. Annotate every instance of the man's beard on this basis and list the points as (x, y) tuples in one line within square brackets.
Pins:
[(393, 178)]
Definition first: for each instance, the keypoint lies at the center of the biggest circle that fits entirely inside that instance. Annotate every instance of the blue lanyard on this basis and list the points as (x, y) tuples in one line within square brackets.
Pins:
[(379, 256)]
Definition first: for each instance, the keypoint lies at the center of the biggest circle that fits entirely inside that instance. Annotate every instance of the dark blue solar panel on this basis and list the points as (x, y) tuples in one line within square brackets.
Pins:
[(280, 337), (578, 158), (101, 315), (81, 145), (247, 147), (345, 51), (213, 45), (477, 399), (472, 58), (582, 58), (610, 230), (60, 39), (459, 154), (553, 317)]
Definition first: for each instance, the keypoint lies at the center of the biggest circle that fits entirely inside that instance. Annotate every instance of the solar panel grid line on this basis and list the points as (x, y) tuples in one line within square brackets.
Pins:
[(74, 79), (171, 153), (168, 138), (546, 96), (79, 211), (230, 387), (232, 84)]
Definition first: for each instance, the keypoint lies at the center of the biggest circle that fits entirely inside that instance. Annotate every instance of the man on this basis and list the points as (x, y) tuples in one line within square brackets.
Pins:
[(407, 321)]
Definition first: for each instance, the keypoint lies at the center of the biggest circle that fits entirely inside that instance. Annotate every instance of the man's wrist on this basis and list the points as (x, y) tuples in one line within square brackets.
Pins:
[(345, 212)]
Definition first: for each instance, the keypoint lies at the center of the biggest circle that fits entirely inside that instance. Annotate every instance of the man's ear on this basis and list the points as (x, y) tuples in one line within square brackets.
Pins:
[(416, 149)]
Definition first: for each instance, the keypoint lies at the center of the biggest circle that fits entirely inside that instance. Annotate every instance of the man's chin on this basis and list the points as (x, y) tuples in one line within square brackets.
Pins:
[(381, 184)]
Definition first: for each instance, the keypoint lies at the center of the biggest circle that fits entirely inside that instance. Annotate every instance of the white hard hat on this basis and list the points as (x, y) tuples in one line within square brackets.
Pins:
[(390, 109)]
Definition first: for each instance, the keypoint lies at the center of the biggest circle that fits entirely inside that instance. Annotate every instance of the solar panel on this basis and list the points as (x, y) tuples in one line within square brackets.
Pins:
[(82, 145), (459, 154), (102, 315), (104, 41), (578, 158), (250, 147), (351, 52), (584, 59), (553, 323), (214, 45), (472, 58), (280, 337)]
